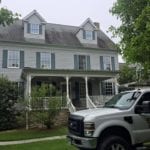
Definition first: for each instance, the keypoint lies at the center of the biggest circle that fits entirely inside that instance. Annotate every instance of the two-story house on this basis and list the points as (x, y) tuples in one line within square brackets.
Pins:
[(78, 60)]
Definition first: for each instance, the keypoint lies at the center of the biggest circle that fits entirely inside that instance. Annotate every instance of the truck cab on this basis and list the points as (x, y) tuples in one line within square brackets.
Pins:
[(121, 124)]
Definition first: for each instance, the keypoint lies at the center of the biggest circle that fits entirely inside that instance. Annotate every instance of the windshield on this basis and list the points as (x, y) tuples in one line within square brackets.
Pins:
[(123, 100)]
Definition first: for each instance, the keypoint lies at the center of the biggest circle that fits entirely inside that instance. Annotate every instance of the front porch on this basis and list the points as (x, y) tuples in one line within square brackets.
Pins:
[(78, 89)]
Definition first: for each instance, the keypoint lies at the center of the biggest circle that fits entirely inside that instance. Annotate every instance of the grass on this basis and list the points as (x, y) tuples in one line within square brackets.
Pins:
[(46, 145), (31, 134)]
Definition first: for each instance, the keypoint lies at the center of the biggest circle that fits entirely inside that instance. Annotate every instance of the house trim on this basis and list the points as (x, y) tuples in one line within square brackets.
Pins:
[(45, 45), (72, 73)]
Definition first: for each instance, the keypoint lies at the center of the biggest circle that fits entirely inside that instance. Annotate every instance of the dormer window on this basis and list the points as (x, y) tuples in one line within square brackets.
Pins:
[(88, 35), (35, 28)]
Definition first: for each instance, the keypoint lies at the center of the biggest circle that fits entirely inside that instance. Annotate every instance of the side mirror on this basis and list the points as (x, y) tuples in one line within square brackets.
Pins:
[(144, 108), (138, 109)]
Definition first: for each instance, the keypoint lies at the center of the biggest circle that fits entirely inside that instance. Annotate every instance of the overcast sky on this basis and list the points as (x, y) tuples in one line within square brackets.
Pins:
[(68, 12)]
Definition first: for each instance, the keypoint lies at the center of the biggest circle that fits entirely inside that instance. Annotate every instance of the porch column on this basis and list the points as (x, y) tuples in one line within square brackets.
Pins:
[(28, 90), (67, 86), (86, 89), (116, 85)]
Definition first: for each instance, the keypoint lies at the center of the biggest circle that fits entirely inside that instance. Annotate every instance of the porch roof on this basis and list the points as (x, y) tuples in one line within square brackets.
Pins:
[(69, 73)]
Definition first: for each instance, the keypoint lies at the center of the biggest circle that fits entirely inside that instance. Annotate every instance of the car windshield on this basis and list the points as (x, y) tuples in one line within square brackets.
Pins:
[(123, 100)]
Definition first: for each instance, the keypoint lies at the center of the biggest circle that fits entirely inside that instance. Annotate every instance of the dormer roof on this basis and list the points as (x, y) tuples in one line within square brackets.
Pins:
[(34, 12), (88, 20)]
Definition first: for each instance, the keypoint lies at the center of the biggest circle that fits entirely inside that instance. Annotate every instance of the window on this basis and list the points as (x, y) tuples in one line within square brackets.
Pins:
[(89, 35), (107, 63), (45, 60), (107, 88), (35, 28), (13, 59), (82, 62)]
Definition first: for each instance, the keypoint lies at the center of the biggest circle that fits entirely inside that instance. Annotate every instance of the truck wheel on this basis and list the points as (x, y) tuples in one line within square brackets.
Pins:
[(114, 143)]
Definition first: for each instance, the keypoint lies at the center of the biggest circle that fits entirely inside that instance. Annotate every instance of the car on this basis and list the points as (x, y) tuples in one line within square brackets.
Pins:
[(123, 123)]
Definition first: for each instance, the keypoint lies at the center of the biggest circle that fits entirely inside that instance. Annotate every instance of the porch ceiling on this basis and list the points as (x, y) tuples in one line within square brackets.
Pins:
[(70, 73)]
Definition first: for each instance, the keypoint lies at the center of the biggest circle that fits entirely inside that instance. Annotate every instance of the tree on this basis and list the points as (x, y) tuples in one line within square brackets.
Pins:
[(8, 98), (127, 75), (7, 17), (134, 32)]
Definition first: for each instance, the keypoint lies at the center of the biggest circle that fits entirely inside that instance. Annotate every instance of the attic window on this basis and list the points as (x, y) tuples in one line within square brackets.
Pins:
[(35, 28), (88, 35)]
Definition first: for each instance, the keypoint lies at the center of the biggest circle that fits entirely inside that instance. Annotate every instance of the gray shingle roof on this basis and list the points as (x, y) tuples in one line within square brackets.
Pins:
[(55, 34)]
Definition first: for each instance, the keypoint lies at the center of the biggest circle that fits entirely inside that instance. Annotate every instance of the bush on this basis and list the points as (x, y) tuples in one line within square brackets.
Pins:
[(8, 98), (46, 104)]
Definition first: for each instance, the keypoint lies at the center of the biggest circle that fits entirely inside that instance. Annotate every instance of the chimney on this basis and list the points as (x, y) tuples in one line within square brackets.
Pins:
[(97, 25)]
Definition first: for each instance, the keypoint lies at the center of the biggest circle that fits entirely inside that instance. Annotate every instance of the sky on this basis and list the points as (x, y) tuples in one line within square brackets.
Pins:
[(68, 12)]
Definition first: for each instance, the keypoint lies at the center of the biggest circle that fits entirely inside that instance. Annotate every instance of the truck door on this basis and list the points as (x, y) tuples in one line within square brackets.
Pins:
[(142, 119)]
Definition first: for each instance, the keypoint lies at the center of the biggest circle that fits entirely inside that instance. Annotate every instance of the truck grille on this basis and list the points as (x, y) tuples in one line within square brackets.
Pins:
[(75, 125)]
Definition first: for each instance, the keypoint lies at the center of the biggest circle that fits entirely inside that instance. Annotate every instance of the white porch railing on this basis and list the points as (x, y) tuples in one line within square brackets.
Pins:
[(100, 100), (70, 105), (45, 103), (90, 104)]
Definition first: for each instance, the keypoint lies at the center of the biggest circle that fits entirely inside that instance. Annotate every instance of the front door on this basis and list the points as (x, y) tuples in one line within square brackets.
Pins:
[(80, 94)]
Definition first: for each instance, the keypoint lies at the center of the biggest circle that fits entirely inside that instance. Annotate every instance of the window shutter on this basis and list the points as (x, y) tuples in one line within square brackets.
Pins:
[(103, 88), (5, 57), (21, 59), (84, 34), (40, 29), (93, 33), (88, 63), (52, 61), (76, 62), (38, 64), (113, 63), (28, 27), (101, 63)]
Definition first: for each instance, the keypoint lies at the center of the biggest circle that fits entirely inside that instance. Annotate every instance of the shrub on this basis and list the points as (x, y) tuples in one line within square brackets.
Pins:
[(8, 98)]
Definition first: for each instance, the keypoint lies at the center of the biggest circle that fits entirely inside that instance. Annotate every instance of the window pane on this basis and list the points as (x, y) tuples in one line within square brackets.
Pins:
[(108, 88), (88, 35), (13, 59), (46, 60), (107, 63), (82, 62), (35, 28)]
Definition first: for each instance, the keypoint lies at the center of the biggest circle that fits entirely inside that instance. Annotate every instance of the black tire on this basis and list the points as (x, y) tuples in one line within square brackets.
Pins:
[(114, 143)]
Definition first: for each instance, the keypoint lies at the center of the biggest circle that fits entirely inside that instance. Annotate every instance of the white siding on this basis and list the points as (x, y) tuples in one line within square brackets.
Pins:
[(64, 58)]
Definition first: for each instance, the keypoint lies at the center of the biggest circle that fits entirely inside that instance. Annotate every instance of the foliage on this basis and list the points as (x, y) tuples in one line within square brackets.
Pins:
[(7, 17), (127, 75), (46, 106), (8, 98), (134, 32)]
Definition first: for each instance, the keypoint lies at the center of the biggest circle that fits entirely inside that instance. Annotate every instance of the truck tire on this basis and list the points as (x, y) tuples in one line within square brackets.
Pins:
[(114, 143)]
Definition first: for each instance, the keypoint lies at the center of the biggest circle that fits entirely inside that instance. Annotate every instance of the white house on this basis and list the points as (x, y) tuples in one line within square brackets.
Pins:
[(76, 59)]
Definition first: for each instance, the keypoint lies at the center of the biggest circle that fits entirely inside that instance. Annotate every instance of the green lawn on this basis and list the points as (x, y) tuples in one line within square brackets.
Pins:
[(46, 145), (30, 134)]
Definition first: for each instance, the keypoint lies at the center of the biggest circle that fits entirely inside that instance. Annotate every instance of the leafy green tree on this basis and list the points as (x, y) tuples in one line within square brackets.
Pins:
[(134, 32), (7, 16), (127, 75), (8, 98)]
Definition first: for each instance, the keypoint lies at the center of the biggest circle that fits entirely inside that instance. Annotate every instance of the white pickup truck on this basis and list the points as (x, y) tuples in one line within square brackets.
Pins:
[(122, 124)]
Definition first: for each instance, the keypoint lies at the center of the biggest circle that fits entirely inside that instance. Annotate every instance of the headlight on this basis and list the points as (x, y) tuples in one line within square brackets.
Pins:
[(89, 128)]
